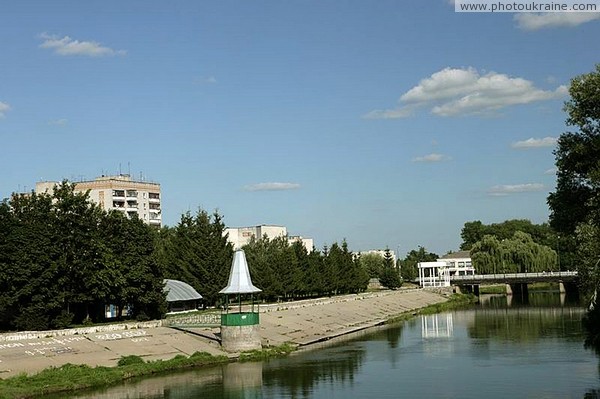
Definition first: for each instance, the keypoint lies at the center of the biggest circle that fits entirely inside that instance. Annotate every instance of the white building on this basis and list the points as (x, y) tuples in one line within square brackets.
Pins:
[(121, 193), (459, 263), (240, 236), (433, 274), (437, 274)]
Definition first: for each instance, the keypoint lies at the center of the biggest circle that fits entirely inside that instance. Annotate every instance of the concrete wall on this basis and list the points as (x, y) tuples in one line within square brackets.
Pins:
[(240, 338)]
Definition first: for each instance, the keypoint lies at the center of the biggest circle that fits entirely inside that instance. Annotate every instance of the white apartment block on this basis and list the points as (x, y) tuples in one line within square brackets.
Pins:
[(120, 193), (240, 236)]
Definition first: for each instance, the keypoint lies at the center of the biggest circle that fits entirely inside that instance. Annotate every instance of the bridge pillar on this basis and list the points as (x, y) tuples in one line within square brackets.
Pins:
[(509, 289), (456, 289), (520, 289), (472, 289), (569, 288)]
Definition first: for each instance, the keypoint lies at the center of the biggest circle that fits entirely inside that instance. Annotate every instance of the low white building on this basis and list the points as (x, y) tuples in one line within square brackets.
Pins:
[(437, 274), (433, 274), (459, 263)]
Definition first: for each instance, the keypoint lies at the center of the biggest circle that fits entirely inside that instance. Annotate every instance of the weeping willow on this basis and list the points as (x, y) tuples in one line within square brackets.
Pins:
[(519, 254)]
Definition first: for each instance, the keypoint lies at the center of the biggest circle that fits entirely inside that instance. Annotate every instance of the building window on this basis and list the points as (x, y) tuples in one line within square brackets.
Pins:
[(153, 195)]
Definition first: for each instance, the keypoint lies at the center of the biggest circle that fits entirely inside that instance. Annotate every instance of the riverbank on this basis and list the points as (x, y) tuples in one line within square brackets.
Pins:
[(301, 323)]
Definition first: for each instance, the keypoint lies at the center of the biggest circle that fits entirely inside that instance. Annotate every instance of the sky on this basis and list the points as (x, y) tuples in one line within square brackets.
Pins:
[(387, 123)]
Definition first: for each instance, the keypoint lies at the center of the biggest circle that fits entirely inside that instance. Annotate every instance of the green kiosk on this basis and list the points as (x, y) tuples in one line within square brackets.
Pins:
[(240, 330)]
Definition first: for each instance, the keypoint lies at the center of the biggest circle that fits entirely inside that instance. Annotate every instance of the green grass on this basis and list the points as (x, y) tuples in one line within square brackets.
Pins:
[(267, 353), (456, 301), (492, 289), (71, 377)]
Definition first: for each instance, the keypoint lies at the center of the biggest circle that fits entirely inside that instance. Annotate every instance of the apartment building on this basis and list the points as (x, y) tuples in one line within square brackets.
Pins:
[(240, 236), (120, 193)]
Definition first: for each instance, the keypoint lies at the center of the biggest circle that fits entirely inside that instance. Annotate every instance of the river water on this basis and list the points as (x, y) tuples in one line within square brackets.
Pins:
[(497, 350)]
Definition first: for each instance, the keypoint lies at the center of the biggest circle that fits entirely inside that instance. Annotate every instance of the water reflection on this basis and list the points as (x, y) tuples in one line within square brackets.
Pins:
[(297, 376), (437, 325), (511, 351)]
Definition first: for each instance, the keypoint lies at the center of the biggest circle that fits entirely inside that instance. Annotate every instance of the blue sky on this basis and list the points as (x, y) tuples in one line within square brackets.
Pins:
[(387, 123)]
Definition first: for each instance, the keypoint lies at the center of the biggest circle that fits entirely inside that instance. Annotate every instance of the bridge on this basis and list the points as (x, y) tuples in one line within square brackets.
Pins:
[(516, 282)]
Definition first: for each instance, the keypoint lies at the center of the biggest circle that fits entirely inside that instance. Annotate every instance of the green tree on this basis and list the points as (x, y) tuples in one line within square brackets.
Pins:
[(197, 252), (372, 263), (390, 277), (408, 267), (577, 194), (519, 254)]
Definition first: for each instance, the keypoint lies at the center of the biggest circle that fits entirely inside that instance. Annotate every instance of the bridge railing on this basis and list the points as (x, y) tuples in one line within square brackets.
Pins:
[(514, 276)]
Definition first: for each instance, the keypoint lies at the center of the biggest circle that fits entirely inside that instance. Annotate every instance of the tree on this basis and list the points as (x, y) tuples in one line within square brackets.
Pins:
[(577, 194), (519, 254), (372, 264), (408, 267), (390, 277), (197, 252)]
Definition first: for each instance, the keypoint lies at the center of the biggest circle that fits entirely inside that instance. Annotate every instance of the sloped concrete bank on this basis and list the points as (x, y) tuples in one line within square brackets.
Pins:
[(302, 323)]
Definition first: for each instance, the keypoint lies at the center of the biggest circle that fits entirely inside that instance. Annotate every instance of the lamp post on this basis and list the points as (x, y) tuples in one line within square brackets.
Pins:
[(558, 251)]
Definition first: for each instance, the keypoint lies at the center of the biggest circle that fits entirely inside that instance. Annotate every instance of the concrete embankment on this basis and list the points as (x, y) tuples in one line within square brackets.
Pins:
[(301, 322)]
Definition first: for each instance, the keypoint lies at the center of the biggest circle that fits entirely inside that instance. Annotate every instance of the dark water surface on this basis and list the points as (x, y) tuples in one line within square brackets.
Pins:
[(532, 350)]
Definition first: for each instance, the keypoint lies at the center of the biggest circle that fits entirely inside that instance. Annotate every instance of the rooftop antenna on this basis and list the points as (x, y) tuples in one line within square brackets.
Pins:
[(119, 168), (128, 168)]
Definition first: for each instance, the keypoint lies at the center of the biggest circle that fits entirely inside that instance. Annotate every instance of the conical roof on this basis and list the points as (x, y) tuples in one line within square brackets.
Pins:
[(239, 276)]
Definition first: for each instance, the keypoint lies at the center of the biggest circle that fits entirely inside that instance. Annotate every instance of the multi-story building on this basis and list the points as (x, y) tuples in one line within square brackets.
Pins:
[(240, 236), (121, 193)]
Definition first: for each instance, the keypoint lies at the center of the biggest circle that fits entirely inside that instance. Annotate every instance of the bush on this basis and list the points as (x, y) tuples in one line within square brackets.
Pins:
[(129, 360)]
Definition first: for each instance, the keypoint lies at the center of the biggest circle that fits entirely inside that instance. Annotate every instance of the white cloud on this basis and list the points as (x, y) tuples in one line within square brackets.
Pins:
[(536, 21), (211, 80), (58, 122), (551, 171), (273, 186), (503, 190), (69, 46), (432, 158), (535, 143), (465, 91), (389, 113), (4, 107)]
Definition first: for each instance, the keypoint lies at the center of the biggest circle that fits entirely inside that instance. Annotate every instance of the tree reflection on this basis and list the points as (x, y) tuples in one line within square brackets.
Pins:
[(297, 376)]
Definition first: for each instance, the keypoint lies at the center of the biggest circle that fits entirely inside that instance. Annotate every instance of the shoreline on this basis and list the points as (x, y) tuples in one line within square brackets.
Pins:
[(300, 325)]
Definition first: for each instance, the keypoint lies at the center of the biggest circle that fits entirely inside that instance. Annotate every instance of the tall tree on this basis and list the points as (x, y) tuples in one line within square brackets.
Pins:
[(577, 194), (408, 267), (390, 277), (197, 252)]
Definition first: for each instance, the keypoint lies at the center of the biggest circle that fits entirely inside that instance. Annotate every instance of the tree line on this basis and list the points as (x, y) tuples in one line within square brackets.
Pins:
[(63, 259)]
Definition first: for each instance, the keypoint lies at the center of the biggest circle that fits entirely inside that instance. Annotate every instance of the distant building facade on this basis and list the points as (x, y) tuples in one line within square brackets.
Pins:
[(120, 193), (458, 263), (437, 274), (240, 236)]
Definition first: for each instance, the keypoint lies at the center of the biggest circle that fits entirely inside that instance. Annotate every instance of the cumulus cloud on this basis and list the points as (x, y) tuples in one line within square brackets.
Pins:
[(466, 91), (432, 158), (503, 190), (536, 21), (69, 46), (272, 186), (4, 107), (535, 143)]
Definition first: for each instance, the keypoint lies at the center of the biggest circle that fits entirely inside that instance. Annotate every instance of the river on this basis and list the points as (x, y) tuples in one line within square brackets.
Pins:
[(497, 350)]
